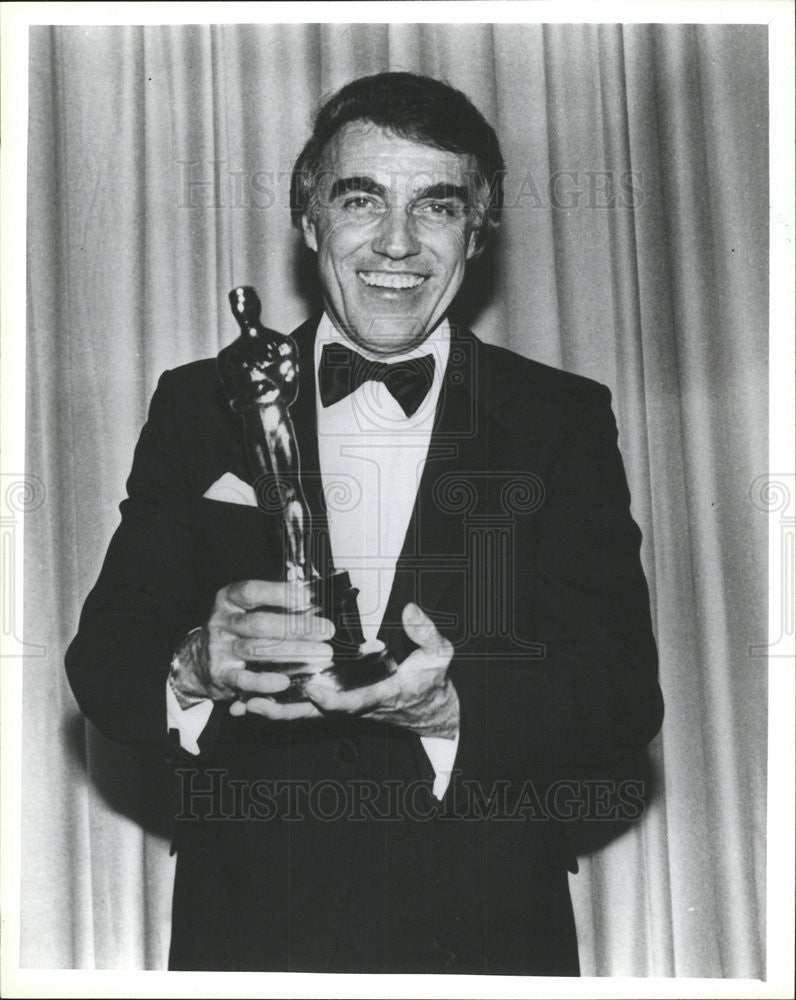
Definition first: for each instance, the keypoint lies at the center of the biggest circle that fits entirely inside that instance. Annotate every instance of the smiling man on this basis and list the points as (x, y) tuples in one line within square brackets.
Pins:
[(479, 504), (393, 226)]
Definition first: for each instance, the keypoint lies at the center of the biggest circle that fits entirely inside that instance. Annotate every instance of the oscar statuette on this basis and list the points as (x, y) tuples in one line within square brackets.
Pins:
[(260, 374)]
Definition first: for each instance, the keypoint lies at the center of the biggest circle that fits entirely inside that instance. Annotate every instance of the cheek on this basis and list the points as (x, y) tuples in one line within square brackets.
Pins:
[(339, 249), (455, 255), (449, 246), (341, 232)]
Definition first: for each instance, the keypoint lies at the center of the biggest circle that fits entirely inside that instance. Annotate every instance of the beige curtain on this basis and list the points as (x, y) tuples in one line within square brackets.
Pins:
[(634, 250)]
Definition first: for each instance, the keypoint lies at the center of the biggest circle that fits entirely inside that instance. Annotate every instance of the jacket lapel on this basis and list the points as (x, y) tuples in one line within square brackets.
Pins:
[(433, 567), (305, 424)]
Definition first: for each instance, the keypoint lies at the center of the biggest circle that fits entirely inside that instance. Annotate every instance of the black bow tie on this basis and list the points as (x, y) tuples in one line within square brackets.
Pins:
[(342, 371)]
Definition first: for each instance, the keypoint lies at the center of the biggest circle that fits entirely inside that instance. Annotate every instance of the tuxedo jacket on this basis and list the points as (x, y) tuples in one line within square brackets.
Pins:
[(317, 845)]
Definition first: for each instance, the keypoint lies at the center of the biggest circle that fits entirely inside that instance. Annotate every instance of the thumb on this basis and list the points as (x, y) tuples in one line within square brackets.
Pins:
[(420, 628)]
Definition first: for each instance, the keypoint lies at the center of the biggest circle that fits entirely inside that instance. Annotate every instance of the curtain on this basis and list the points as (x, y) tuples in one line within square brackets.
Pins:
[(633, 250)]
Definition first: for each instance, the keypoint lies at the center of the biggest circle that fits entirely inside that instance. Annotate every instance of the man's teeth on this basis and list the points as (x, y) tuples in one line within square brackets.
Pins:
[(381, 279)]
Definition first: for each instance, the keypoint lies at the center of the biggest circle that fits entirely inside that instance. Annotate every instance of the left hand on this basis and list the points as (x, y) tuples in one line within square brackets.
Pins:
[(418, 696)]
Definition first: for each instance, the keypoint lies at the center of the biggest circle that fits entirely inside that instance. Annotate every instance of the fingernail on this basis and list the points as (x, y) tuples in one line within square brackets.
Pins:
[(325, 627), (313, 691)]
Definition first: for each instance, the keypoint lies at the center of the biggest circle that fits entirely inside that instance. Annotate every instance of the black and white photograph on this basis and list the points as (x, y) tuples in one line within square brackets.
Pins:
[(406, 585)]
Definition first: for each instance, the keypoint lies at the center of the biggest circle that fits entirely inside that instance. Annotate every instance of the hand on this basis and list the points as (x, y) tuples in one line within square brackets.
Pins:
[(213, 660), (418, 696)]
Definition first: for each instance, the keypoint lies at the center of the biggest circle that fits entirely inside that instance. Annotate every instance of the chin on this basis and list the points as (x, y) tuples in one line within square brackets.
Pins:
[(392, 345), (398, 333)]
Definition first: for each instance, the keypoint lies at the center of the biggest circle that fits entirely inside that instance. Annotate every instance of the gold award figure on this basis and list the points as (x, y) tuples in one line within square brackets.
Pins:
[(260, 374)]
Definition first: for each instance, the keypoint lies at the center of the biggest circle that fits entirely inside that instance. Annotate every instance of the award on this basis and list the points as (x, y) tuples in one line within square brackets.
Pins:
[(260, 372)]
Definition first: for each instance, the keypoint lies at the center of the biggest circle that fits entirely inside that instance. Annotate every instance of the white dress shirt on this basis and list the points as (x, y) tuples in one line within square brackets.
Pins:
[(372, 456)]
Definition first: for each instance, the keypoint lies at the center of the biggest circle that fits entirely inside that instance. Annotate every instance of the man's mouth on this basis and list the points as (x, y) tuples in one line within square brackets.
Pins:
[(387, 279)]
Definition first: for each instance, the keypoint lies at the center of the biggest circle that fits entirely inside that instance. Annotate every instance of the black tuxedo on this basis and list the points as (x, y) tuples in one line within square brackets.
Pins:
[(522, 549)]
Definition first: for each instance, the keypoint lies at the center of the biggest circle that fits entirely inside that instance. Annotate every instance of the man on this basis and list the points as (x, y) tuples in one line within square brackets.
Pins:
[(410, 825)]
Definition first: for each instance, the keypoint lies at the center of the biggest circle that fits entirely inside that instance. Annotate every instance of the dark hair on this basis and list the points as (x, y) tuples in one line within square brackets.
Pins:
[(414, 107)]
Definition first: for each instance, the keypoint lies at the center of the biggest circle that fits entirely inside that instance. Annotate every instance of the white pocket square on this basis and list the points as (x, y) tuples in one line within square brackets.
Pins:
[(230, 489)]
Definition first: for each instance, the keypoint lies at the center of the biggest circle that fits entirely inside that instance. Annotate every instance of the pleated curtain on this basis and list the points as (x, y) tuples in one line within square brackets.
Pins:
[(633, 250)]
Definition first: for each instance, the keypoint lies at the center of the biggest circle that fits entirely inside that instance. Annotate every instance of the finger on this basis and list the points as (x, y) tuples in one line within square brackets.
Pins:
[(270, 624), (271, 709), (280, 651), (248, 594), (428, 660), (422, 631), (329, 699), (263, 682)]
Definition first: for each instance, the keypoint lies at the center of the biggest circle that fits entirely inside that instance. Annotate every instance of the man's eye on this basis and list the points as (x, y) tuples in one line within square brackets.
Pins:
[(359, 203), (438, 209)]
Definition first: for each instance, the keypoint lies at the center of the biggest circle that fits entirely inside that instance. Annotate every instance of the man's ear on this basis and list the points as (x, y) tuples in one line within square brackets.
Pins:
[(310, 237), (474, 247)]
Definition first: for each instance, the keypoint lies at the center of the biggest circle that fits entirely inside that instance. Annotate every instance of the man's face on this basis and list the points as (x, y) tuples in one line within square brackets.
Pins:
[(393, 228)]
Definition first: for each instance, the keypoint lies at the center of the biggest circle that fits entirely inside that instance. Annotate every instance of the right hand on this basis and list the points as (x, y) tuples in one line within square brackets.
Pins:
[(290, 631)]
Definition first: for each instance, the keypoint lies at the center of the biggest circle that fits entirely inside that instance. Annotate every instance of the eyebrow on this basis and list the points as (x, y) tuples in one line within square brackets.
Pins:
[(436, 192), (345, 184), (444, 192)]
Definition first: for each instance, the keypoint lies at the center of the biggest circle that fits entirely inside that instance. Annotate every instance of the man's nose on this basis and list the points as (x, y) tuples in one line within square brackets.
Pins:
[(396, 237)]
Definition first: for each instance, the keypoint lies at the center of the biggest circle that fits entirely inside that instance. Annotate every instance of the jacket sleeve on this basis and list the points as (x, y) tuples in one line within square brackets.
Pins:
[(144, 601), (591, 698)]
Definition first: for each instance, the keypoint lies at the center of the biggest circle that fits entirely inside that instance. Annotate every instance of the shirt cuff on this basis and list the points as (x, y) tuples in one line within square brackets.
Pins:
[(189, 722), (442, 754)]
